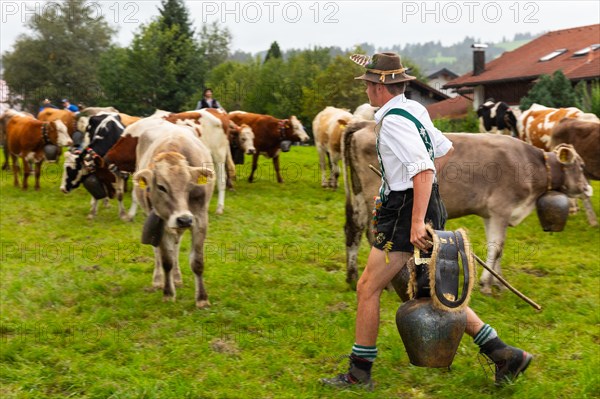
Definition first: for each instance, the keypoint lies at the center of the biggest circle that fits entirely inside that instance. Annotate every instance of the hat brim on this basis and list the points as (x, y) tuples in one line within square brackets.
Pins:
[(389, 79)]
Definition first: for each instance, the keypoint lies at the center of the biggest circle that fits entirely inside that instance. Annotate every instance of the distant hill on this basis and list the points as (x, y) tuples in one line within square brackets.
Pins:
[(430, 56)]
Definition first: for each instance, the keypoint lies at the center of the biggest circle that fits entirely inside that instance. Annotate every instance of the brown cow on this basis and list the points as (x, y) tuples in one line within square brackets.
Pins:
[(4, 118), (26, 138), (493, 176), (585, 138), (271, 136), (66, 116)]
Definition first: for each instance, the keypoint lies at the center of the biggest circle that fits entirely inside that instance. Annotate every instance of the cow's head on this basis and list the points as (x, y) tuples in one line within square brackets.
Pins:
[(166, 185), (574, 182), (77, 165), (72, 172), (246, 139), (62, 134), (298, 132)]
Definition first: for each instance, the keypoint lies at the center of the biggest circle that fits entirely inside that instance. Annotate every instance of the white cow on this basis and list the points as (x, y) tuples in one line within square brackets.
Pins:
[(328, 127)]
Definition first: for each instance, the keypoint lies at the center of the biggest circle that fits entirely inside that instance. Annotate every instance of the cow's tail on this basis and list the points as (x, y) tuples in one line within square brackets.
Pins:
[(347, 166), (353, 227)]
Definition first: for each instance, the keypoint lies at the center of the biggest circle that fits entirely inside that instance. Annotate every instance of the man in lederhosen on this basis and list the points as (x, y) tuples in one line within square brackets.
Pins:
[(407, 146)]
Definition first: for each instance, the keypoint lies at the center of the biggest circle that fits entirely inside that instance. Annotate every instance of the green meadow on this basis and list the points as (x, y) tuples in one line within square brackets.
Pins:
[(78, 317)]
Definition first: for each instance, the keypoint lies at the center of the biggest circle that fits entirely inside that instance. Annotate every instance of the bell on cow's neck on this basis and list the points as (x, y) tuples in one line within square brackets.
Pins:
[(432, 322), (94, 186), (285, 145), (553, 210), (51, 152)]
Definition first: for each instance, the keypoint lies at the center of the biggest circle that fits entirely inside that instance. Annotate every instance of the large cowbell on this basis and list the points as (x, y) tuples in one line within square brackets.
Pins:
[(433, 319)]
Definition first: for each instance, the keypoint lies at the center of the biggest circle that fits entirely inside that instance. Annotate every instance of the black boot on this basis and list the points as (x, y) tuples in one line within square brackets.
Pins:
[(359, 374), (508, 360)]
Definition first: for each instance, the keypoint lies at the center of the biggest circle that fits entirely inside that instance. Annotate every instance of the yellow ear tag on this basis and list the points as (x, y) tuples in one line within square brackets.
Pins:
[(202, 180), (142, 184)]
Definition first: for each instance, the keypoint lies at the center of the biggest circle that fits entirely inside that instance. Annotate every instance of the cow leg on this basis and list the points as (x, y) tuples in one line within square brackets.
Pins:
[(120, 189), (5, 165), (93, 209), (16, 170), (322, 167), (254, 166), (276, 167), (133, 207), (38, 172), (356, 221), (158, 277), (168, 257), (335, 172), (221, 183), (495, 231), (589, 211), (197, 258), (26, 173), (573, 206), (176, 269)]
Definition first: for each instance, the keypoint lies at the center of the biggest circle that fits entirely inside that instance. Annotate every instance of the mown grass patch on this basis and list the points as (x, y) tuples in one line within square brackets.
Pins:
[(78, 318)]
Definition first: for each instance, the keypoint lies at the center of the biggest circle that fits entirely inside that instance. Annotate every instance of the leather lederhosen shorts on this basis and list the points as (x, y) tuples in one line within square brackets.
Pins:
[(394, 219)]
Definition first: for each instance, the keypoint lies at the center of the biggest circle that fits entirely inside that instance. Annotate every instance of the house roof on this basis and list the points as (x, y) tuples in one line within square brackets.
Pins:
[(453, 108), (524, 62), (443, 71), (425, 88)]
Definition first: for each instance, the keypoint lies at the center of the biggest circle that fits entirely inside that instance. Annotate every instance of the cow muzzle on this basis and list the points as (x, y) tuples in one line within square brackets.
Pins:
[(183, 220), (251, 151)]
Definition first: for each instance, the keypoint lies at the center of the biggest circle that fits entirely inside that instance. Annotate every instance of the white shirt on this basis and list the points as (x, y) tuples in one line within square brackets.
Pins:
[(402, 150)]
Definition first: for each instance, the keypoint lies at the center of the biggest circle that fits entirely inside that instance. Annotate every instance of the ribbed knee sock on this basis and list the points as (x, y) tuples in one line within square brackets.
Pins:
[(366, 352)]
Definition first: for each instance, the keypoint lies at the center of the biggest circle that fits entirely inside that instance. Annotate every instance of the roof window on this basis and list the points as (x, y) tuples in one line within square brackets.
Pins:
[(553, 54), (586, 50)]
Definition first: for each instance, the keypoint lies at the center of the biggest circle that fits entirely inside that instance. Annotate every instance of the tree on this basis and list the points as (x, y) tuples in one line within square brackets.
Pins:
[(214, 45), (174, 12), (60, 58), (553, 91), (162, 68), (274, 52)]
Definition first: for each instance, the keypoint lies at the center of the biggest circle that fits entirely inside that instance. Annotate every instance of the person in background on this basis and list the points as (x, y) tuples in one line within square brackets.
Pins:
[(47, 104), (207, 100), (71, 107)]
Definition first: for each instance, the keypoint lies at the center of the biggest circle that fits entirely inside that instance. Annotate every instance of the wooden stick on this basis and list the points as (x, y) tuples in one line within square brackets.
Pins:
[(506, 283), (374, 169)]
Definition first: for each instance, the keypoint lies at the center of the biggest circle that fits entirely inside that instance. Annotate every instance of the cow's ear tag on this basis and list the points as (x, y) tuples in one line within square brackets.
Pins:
[(142, 184), (202, 180)]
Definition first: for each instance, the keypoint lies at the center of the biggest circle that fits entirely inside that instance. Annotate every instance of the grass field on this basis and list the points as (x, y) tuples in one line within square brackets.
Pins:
[(78, 318)]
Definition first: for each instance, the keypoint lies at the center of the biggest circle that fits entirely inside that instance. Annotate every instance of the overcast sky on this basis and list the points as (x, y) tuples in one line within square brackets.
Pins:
[(302, 24)]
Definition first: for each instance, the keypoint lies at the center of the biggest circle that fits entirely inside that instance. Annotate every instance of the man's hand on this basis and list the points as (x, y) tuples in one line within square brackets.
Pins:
[(422, 183)]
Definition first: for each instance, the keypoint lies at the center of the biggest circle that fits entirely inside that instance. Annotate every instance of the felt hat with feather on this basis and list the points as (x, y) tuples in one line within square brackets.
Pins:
[(385, 68)]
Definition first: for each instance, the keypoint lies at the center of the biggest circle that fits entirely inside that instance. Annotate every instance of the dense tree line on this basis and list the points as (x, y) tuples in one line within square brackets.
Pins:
[(169, 63)]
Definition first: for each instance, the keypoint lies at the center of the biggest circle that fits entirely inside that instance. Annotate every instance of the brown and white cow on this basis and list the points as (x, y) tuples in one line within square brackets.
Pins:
[(493, 176), (328, 127), (26, 138), (584, 136), (271, 136), (535, 125), (4, 118), (174, 184)]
